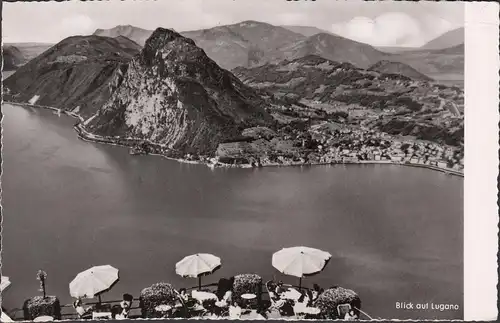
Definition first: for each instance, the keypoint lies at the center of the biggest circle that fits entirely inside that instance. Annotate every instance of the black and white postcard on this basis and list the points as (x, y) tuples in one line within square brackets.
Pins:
[(231, 159)]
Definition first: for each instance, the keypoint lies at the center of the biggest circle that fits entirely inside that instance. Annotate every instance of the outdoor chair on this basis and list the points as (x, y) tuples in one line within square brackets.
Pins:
[(287, 308), (116, 310)]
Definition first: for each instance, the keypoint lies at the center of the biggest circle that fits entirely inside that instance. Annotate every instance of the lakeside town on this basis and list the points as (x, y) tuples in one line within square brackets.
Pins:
[(324, 144)]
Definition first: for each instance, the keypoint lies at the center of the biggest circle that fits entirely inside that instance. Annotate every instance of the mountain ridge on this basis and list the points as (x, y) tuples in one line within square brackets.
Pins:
[(449, 39), (77, 74), (174, 94)]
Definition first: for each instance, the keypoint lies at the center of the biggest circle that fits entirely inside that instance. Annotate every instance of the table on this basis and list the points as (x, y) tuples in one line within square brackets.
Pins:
[(101, 315), (248, 296), (203, 296), (44, 318), (163, 308)]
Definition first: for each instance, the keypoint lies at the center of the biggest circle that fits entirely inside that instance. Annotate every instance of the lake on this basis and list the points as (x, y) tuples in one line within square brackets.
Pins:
[(395, 232)]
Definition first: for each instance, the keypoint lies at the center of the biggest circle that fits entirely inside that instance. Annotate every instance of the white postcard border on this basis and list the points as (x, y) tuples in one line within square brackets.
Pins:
[(481, 160)]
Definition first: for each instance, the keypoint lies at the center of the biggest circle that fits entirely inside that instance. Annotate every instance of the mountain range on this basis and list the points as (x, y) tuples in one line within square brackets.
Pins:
[(252, 43), (171, 91)]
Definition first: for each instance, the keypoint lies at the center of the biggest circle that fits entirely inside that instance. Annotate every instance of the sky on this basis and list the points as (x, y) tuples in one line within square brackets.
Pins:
[(379, 23)]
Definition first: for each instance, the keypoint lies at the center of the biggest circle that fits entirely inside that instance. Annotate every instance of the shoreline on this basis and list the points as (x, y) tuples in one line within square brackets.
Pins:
[(130, 142)]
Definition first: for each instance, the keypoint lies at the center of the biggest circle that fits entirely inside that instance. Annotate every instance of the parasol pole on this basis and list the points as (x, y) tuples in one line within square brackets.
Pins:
[(300, 283), (199, 282), (99, 298)]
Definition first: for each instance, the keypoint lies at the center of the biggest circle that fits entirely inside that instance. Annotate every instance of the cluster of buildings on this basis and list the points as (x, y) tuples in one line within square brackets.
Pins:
[(357, 145)]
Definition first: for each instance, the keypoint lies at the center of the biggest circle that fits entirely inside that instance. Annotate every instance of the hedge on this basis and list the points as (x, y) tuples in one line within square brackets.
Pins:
[(157, 294), (328, 301), (39, 306), (247, 284)]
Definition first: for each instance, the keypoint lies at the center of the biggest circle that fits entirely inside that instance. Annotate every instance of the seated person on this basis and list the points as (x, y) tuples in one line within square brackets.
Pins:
[(183, 294), (280, 288), (225, 301), (126, 304), (316, 291), (227, 296), (310, 297), (350, 316), (80, 310)]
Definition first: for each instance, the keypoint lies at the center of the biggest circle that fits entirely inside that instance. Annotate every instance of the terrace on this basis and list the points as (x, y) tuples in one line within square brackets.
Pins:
[(244, 296)]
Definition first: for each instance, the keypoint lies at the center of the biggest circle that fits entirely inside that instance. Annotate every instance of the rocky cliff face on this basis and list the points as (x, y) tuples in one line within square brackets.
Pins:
[(174, 94), (77, 74)]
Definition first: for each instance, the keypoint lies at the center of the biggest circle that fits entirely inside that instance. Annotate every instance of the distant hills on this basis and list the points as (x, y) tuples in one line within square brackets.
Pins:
[(248, 43), (388, 67), (331, 47), (23, 52), (451, 38), (307, 31), (253, 43), (133, 33), (77, 74), (12, 58)]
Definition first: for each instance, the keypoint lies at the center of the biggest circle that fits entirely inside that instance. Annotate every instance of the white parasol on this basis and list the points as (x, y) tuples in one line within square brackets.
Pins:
[(197, 265), (300, 261), (93, 281)]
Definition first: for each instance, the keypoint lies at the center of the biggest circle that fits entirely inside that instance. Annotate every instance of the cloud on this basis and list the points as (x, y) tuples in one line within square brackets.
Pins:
[(388, 29)]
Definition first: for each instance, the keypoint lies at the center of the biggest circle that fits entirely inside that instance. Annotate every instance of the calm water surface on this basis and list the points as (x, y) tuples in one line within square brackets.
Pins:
[(396, 233)]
